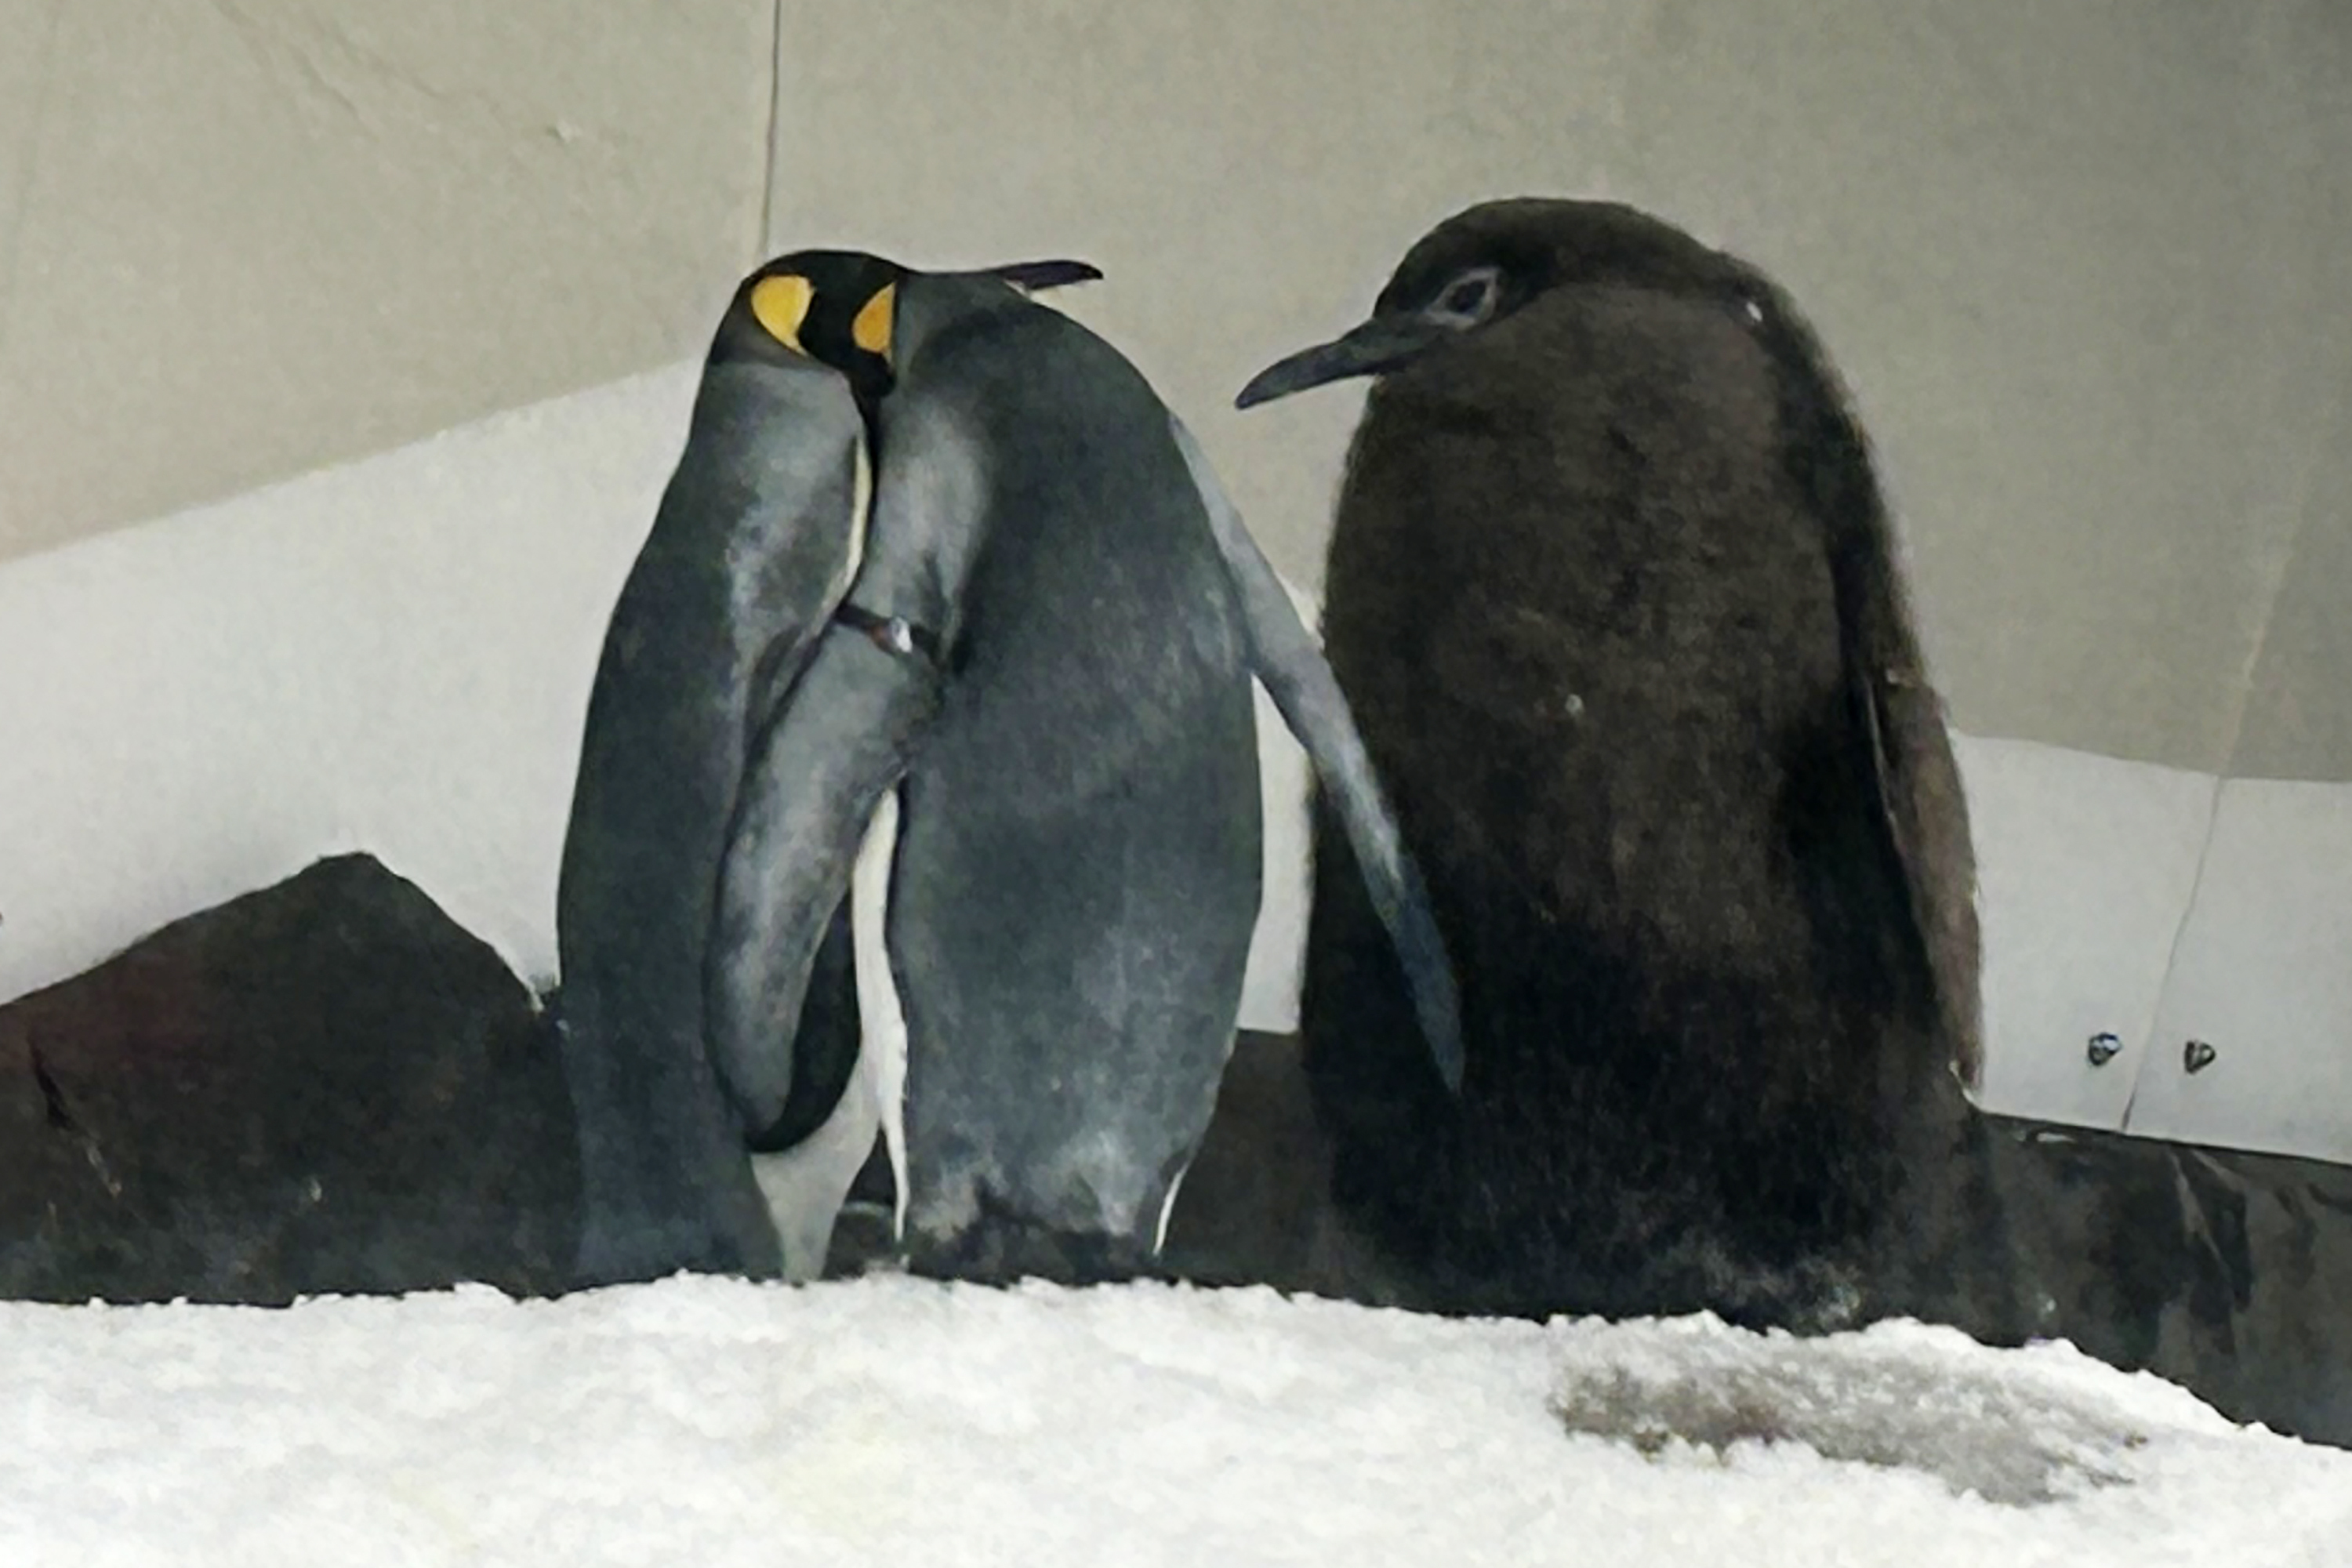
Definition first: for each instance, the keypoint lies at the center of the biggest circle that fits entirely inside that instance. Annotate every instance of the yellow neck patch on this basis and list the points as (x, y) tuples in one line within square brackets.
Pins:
[(781, 304), (871, 330)]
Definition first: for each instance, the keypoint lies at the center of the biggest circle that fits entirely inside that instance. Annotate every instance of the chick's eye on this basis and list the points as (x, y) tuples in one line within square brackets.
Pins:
[(1469, 299)]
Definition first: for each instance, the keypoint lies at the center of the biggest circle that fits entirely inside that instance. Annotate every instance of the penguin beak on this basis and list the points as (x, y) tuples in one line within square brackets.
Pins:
[(1381, 343), (1036, 276)]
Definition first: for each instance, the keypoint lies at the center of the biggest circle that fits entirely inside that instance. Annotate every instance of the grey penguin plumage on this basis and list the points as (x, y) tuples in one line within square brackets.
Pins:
[(754, 544), (751, 541), (1613, 592), (1012, 704)]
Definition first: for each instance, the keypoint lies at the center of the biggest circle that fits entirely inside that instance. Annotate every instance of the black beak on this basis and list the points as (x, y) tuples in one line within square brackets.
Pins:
[(1381, 343), (1034, 275)]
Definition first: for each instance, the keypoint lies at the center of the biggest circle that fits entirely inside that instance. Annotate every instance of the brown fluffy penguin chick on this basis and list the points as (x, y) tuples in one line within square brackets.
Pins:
[(1612, 593)]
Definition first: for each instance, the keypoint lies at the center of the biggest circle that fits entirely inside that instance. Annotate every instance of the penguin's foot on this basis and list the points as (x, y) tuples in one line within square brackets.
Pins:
[(863, 1242), (999, 1249)]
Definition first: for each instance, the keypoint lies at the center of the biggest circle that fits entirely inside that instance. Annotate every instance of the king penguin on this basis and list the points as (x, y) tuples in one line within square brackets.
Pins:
[(1614, 593), (920, 794)]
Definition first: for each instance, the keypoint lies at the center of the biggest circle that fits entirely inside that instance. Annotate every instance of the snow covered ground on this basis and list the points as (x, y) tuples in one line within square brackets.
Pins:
[(886, 1420)]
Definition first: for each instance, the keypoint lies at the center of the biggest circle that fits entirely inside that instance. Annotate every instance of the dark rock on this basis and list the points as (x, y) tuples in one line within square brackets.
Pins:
[(2227, 1272), (326, 1086)]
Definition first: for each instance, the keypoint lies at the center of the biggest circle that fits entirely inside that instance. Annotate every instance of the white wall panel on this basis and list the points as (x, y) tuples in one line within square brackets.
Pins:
[(2263, 981)]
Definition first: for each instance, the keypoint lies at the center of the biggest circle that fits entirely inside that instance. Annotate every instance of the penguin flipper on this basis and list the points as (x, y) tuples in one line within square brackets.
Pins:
[(1288, 662), (818, 774), (1920, 797), (1926, 812), (825, 1043)]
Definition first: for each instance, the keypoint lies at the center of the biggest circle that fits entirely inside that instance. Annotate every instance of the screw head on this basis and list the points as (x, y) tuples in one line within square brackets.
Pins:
[(2197, 1055), (2103, 1049)]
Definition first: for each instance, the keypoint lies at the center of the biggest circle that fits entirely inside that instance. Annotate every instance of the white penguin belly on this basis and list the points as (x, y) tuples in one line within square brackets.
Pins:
[(881, 1075)]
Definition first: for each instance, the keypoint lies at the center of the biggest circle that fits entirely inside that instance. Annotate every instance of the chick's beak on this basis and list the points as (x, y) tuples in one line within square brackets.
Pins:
[(1379, 344)]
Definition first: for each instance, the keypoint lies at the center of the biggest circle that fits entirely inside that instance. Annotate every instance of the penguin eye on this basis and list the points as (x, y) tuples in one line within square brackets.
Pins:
[(1469, 299)]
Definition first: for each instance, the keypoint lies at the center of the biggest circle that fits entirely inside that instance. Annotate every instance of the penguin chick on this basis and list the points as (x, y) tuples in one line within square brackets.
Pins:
[(1612, 593)]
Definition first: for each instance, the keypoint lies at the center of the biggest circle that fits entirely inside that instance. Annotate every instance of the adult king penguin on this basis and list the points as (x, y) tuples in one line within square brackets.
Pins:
[(1614, 595), (920, 791)]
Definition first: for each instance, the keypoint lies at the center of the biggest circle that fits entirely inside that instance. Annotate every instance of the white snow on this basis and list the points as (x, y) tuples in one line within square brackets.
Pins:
[(886, 1420)]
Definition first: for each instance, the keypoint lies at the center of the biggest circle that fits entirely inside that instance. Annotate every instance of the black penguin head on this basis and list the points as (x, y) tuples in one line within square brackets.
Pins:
[(1486, 263), (836, 308), (840, 309)]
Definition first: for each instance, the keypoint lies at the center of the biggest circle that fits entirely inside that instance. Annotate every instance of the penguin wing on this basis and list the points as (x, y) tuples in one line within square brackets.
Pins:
[(1918, 780), (1920, 797), (812, 782), (1927, 815), (1289, 663), (828, 748)]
